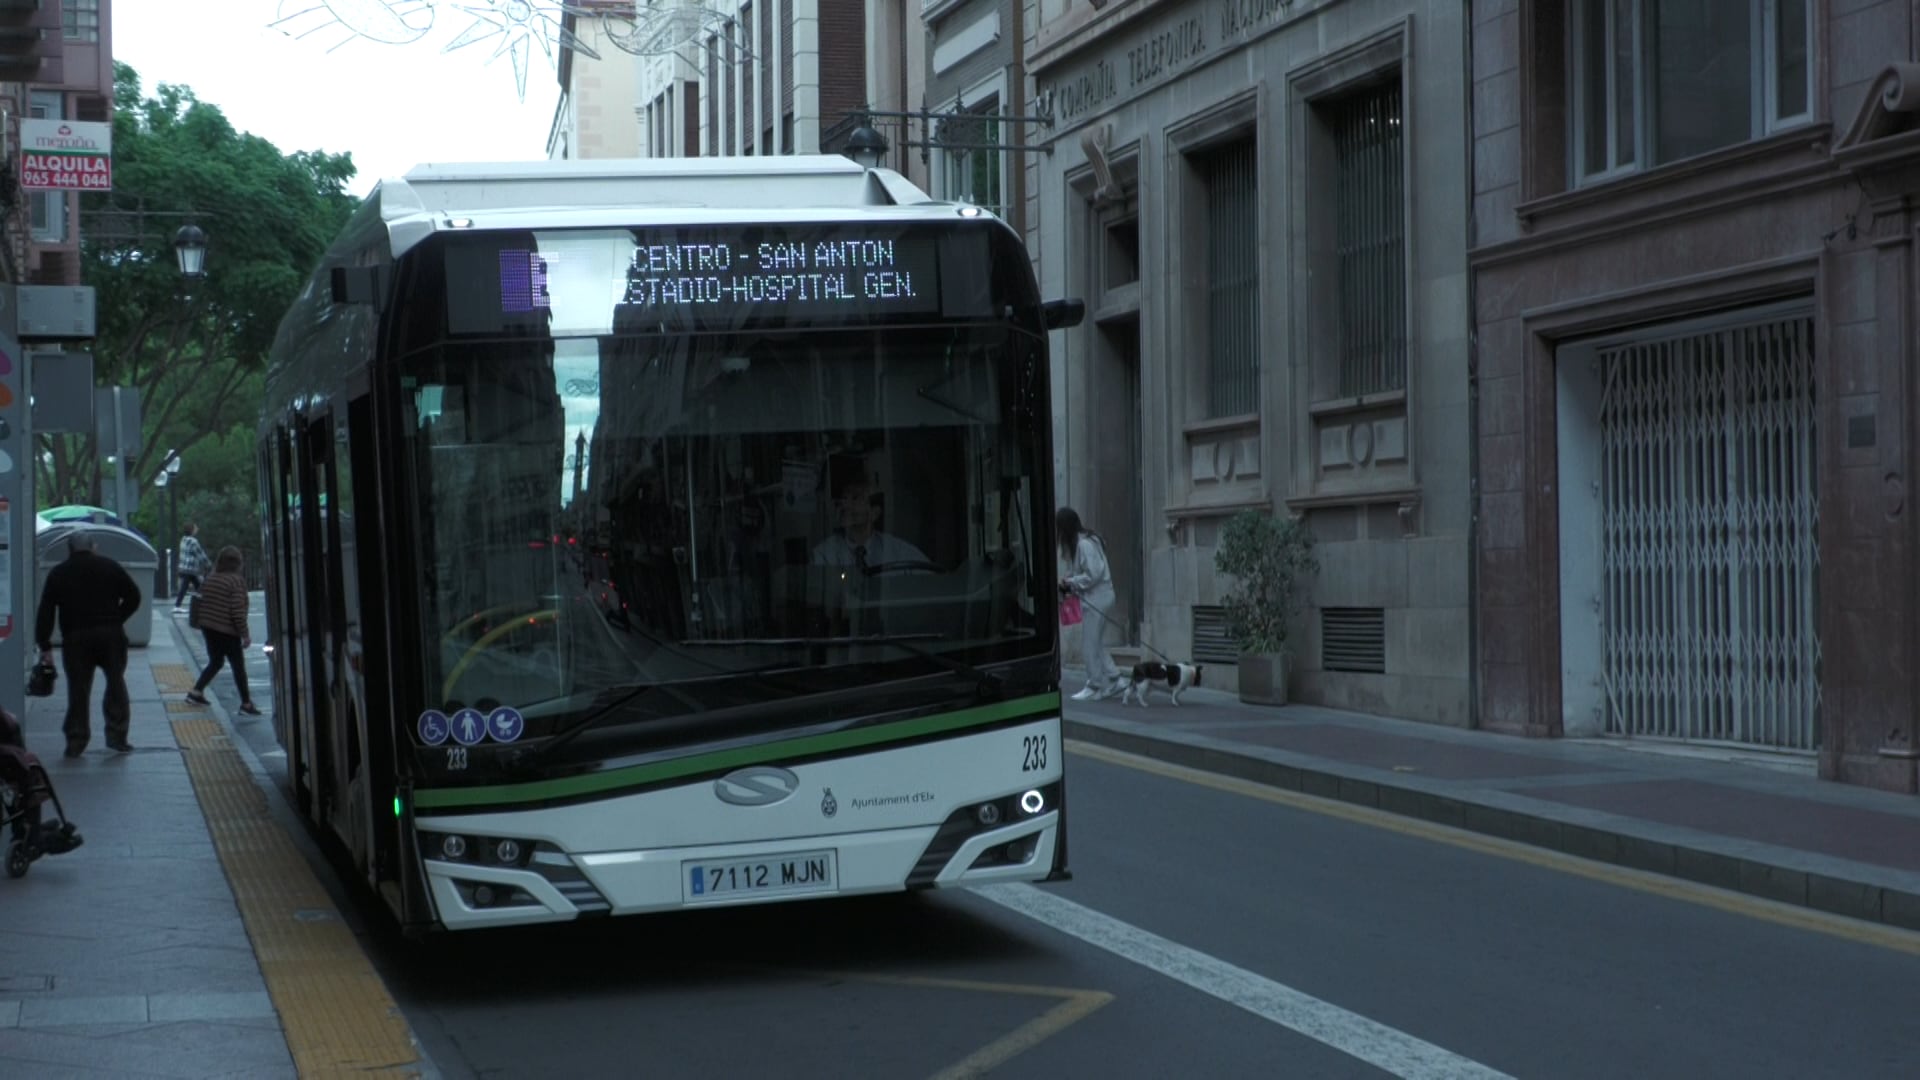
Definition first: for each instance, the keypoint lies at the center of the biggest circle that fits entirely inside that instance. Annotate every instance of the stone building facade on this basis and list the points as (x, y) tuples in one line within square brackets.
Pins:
[(1693, 294), (1262, 203)]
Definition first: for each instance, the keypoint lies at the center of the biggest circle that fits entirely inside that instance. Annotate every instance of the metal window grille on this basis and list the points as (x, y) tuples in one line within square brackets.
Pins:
[(973, 166), (1709, 519), (1211, 643), (1370, 239), (1353, 640), (1227, 177)]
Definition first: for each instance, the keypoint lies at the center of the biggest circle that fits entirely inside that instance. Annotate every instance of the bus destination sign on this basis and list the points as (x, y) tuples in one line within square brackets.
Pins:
[(674, 278)]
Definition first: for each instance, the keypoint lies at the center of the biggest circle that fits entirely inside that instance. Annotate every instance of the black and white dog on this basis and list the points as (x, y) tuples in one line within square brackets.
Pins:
[(1175, 678)]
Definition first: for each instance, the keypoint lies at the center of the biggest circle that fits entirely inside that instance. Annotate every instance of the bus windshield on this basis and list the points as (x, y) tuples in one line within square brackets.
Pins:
[(633, 507)]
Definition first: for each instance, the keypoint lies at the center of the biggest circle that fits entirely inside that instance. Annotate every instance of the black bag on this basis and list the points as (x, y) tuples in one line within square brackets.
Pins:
[(193, 611), (40, 681)]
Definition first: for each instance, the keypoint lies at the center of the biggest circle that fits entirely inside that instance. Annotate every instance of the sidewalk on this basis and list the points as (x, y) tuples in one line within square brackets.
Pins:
[(128, 956), (189, 936), (1755, 823)]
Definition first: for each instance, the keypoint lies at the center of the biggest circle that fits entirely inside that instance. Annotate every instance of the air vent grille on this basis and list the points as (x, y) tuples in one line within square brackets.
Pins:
[(1211, 643), (1353, 639)]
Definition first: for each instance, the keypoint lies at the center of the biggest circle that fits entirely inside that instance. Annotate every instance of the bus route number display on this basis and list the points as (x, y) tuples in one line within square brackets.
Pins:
[(788, 277)]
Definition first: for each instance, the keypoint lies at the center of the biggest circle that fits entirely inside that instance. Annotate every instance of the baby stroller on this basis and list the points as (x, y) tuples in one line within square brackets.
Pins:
[(25, 792)]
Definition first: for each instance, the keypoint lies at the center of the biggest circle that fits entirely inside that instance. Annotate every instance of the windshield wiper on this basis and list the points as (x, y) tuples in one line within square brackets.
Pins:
[(534, 755), (986, 682)]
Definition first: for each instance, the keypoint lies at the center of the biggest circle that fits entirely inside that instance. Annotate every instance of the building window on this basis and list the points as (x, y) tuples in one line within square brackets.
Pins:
[(47, 210), (713, 95), (973, 158), (81, 19), (1370, 238), (1656, 81), (1227, 184)]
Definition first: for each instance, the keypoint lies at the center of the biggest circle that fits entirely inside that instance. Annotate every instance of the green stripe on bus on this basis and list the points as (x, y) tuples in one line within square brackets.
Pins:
[(805, 746)]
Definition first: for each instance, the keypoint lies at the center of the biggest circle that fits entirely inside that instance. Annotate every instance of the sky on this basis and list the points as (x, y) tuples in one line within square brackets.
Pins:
[(392, 105)]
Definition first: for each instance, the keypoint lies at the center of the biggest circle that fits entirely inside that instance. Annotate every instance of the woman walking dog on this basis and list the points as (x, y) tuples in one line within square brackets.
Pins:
[(1086, 576), (220, 614)]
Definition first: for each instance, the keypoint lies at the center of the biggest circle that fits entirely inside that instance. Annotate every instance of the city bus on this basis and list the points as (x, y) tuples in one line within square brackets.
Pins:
[(651, 535)]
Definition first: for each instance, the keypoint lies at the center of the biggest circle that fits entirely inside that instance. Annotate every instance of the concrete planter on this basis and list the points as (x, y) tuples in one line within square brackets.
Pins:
[(1263, 679)]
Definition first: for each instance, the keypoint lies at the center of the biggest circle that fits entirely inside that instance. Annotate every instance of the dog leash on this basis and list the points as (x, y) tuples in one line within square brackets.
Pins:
[(1142, 642)]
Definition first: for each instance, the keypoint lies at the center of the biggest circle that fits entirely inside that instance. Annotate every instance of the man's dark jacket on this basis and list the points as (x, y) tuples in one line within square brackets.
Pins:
[(89, 590)]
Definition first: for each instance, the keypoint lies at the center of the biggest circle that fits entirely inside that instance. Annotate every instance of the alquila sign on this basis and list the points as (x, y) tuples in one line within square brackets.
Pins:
[(1156, 53), (65, 155)]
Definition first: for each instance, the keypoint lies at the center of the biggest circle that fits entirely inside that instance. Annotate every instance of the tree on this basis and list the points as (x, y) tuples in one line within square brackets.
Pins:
[(193, 349)]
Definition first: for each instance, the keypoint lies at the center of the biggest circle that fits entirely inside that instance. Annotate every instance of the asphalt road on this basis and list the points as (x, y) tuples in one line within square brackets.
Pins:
[(1211, 931)]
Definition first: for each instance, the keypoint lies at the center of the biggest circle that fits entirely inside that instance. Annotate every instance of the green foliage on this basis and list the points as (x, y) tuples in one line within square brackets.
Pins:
[(195, 350), (1267, 557)]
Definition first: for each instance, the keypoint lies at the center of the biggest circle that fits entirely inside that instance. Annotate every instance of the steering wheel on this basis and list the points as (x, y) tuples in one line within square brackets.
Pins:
[(486, 642)]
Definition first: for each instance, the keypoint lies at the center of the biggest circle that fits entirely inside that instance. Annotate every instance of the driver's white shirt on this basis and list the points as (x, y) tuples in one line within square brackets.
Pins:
[(837, 550)]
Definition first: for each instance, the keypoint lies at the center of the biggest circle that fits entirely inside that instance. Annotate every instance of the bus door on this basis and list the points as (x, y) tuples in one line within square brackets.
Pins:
[(325, 625), (312, 614), (369, 616), (293, 716)]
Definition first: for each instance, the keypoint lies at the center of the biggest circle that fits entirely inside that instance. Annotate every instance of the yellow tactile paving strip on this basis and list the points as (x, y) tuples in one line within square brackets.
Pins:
[(173, 678), (339, 1018)]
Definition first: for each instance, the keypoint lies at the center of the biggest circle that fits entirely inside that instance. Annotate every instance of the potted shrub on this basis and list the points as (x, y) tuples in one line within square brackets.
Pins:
[(1266, 557)]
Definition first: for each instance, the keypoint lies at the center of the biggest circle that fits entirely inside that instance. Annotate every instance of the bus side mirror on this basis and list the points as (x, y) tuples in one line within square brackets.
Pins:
[(1060, 314)]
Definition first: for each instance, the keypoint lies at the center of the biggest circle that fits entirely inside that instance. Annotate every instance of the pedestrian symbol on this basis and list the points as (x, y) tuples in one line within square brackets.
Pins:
[(433, 727), (505, 724), (469, 726)]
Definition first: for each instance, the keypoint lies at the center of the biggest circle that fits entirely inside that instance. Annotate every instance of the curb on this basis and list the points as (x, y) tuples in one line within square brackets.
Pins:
[(1779, 874)]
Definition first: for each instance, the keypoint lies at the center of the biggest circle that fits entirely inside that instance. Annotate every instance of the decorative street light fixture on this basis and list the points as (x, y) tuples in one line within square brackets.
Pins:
[(867, 147), (190, 249)]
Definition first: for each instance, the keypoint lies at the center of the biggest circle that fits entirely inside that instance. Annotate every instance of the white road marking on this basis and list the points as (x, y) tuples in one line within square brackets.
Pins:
[(1350, 1033)]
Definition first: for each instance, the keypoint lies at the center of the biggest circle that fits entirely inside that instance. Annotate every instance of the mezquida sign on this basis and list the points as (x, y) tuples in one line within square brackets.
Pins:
[(65, 155), (1185, 40)]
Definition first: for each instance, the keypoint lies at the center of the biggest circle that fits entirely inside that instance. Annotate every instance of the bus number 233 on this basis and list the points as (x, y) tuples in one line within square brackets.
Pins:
[(1035, 758)]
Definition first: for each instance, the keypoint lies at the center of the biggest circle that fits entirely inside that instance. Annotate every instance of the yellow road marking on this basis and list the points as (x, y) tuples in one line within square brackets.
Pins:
[(1753, 907), (1075, 1005), (337, 1014)]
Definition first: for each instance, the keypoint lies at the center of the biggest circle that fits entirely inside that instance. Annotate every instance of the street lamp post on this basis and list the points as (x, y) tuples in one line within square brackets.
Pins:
[(190, 251), (866, 146), (168, 474)]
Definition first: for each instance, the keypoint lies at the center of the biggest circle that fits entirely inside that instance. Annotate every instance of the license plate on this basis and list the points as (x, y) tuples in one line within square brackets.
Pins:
[(760, 875)]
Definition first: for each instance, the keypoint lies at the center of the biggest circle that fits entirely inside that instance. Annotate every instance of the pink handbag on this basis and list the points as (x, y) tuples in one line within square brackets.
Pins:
[(1069, 610)]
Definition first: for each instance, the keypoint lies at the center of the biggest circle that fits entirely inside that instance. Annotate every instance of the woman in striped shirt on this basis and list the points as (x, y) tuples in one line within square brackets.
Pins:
[(220, 614)]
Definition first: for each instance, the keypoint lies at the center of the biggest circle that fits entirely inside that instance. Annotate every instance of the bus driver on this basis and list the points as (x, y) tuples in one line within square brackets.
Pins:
[(858, 543)]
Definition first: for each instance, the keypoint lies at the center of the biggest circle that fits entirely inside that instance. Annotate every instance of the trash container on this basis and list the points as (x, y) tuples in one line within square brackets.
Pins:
[(123, 546)]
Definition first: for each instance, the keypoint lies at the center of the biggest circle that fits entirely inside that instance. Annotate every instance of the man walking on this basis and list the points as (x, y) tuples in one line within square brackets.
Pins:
[(93, 597)]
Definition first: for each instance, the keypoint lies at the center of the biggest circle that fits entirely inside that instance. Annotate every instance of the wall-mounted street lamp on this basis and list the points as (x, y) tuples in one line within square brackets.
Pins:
[(867, 147), (190, 250)]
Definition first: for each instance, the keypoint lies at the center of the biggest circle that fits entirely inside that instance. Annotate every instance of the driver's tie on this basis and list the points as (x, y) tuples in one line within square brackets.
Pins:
[(860, 557)]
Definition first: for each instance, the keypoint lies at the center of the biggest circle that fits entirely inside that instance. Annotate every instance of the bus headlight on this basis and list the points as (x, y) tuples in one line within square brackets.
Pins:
[(505, 851), (1032, 803), (987, 813)]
